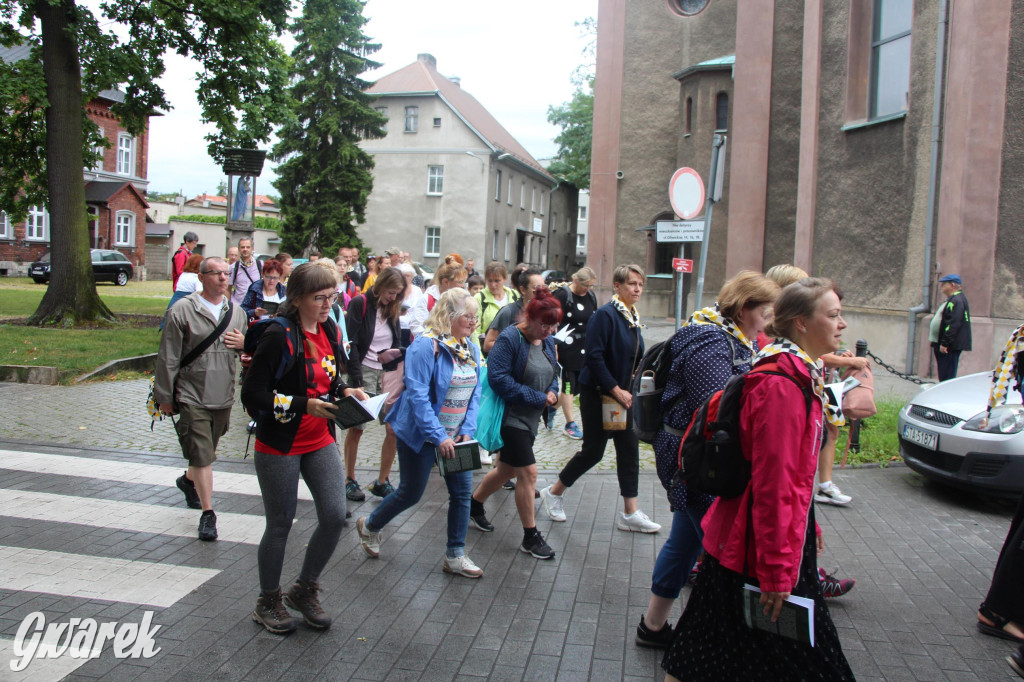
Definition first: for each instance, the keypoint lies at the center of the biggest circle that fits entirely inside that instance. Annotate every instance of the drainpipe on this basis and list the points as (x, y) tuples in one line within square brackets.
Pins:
[(929, 226)]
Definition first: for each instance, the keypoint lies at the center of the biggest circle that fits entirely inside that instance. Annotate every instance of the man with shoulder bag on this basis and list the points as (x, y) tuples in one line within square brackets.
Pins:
[(195, 380)]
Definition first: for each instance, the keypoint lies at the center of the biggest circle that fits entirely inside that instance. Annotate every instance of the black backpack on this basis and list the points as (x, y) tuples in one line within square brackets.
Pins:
[(649, 385), (711, 459)]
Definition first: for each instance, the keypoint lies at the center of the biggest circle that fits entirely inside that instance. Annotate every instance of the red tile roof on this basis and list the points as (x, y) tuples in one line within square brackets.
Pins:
[(261, 200), (422, 77)]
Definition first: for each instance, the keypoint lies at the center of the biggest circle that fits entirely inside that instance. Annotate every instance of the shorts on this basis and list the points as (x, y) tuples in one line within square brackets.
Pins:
[(373, 383), (199, 430), (517, 447), (570, 382)]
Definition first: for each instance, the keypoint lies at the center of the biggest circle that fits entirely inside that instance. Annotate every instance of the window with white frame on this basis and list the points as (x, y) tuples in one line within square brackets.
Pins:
[(890, 57), (506, 247), (542, 202), (37, 224), (522, 195), (533, 200), (412, 119), (581, 241), (383, 111), (494, 246), (432, 245), (125, 156), (510, 190), (99, 149), (435, 180), (497, 187), (583, 213), (124, 228), (6, 229)]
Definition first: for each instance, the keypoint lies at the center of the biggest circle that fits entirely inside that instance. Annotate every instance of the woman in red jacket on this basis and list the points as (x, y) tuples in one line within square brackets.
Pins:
[(767, 536)]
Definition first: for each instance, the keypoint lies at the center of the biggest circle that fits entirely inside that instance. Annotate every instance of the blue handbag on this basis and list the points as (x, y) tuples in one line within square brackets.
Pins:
[(489, 416)]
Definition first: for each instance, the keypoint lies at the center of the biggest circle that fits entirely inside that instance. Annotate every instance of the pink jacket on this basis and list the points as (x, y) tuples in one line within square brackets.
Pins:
[(782, 441)]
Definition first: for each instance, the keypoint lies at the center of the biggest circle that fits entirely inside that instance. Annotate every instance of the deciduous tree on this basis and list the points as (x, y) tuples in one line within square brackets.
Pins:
[(576, 118), (324, 177), (46, 138)]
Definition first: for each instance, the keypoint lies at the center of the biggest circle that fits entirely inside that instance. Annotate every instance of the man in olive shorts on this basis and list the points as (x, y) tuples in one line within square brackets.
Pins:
[(200, 392)]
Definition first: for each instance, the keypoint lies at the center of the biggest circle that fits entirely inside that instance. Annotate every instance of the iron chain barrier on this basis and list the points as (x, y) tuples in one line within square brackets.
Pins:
[(889, 368)]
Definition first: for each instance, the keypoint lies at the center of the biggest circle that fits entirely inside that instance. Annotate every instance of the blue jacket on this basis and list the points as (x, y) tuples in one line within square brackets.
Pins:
[(613, 349), (506, 364), (254, 297), (427, 377)]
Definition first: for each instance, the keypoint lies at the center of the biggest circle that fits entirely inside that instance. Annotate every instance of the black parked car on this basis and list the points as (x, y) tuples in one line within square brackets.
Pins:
[(107, 266), (555, 276)]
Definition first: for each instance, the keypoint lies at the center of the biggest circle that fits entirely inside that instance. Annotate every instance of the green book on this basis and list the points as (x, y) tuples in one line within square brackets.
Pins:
[(467, 458)]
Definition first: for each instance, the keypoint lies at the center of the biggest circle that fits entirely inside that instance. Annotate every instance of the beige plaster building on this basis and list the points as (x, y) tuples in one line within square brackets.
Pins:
[(879, 143), (448, 177)]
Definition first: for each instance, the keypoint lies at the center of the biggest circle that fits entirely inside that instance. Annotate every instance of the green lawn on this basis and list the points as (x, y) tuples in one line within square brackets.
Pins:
[(73, 351), (879, 442), (23, 302)]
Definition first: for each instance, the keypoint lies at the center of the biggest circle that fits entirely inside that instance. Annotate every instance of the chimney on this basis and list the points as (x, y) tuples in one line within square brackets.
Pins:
[(427, 59), (456, 80)]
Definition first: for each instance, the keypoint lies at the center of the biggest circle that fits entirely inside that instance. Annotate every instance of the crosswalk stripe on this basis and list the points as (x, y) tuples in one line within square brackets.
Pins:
[(128, 472), (39, 669), (146, 518), (90, 577)]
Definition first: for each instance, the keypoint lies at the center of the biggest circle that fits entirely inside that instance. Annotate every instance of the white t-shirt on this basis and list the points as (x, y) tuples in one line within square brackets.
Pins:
[(381, 342), (189, 282), (214, 308)]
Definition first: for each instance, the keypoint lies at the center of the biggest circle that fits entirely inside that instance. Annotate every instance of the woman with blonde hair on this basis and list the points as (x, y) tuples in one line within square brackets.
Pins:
[(375, 348), (714, 345), (767, 537), (436, 410), (450, 274)]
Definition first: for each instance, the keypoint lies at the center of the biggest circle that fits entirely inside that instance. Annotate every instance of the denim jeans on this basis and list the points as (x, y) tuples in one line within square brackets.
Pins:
[(678, 554), (416, 468)]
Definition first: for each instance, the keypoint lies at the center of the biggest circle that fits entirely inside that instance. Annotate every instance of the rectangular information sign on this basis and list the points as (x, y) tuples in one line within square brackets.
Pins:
[(680, 230)]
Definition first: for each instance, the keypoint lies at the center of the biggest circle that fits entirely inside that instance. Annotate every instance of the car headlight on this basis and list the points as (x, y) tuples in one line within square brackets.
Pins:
[(1004, 419)]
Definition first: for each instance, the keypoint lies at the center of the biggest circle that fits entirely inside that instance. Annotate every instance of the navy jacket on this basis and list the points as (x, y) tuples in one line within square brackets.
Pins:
[(254, 297), (506, 364), (613, 350)]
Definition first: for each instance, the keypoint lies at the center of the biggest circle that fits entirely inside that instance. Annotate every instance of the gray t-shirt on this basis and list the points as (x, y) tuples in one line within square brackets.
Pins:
[(507, 316), (538, 376)]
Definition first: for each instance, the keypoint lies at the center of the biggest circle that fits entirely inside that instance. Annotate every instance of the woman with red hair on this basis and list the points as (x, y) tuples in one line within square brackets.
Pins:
[(522, 370), (266, 290)]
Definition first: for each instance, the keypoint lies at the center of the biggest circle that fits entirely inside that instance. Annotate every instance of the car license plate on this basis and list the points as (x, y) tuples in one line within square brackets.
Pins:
[(925, 439)]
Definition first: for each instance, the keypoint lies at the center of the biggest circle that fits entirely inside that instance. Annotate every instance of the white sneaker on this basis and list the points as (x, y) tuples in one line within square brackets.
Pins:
[(552, 504), (370, 541), (831, 495), (638, 522), (485, 458), (463, 566)]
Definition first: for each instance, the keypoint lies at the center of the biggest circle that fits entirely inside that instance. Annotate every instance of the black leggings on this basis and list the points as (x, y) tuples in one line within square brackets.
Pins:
[(595, 440), (279, 483)]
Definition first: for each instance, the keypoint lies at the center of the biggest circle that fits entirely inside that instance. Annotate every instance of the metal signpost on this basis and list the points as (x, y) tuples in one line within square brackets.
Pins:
[(717, 176), (686, 194)]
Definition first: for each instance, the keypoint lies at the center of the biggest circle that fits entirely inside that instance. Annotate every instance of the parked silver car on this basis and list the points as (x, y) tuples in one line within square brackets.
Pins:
[(942, 437)]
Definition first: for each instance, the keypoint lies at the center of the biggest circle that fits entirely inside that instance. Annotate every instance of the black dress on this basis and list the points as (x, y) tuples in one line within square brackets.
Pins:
[(1005, 597), (712, 641)]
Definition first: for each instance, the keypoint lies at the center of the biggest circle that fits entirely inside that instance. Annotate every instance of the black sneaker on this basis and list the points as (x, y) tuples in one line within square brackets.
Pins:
[(271, 614), (208, 526), (655, 639), (481, 522), (536, 547), (353, 491), (381, 489), (302, 597), (510, 484), (189, 488)]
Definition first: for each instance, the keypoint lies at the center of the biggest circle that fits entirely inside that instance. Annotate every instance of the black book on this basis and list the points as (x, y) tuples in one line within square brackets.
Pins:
[(796, 620), (467, 458), (352, 412), (271, 307)]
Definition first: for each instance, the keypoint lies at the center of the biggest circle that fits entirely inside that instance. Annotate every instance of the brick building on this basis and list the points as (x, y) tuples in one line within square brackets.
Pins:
[(115, 191)]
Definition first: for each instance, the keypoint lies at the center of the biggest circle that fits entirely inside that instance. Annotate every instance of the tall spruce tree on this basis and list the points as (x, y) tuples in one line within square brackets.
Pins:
[(324, 177)]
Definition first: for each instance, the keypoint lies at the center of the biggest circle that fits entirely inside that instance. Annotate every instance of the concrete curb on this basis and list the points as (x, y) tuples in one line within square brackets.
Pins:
[(141, 363), (29, 374)]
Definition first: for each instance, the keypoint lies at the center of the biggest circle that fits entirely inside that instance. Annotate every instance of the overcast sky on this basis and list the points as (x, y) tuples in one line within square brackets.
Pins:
[(516, 59)]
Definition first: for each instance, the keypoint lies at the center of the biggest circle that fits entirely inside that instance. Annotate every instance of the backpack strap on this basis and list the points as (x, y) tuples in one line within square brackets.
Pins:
[(225, 320)]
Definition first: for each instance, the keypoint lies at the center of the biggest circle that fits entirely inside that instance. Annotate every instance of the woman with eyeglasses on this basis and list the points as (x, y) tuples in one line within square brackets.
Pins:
[(295, 435), (267, 289), (523, 371), (374, 336), (436, 410)]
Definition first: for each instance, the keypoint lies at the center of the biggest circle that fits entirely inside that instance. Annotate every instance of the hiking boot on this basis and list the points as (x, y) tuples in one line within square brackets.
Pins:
[(536, 547), (189, 488), (832, 586), (369, 540), (302, 597), (463, 566), (271, 613), (481, 522), (831, 495), (655, 639), (381, 489), (637, 522), (573, 430), (353, 491), (208, 526), (552, 505)]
